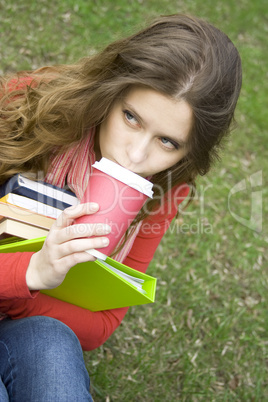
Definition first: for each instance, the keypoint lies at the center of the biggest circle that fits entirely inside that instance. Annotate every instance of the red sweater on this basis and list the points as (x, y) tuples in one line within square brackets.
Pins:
[(92, 328)]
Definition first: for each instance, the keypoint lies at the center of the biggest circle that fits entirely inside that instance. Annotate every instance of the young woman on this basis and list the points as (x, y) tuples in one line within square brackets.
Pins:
[(158, 103)]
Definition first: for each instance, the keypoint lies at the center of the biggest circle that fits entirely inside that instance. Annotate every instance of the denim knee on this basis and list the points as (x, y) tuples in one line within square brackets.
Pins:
[(44, 361)]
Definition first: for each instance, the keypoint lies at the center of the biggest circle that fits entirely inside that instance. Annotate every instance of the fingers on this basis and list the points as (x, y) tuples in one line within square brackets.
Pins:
[(76, 258), (65, 246), (69, 253), (83, 230), (68, 216), (81, 245), (80, 231), (66, 239)]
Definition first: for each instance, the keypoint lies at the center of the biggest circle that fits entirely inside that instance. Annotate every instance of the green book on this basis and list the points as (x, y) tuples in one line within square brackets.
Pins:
[(98, 285)]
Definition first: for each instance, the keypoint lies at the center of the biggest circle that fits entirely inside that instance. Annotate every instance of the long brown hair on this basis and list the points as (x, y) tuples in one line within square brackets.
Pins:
[(180, 56)]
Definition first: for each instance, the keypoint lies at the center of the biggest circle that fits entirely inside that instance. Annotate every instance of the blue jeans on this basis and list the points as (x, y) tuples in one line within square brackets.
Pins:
[(41, 360)]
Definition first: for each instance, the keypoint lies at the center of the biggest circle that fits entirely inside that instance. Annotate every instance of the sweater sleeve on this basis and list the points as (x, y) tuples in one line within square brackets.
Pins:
[(94, 328), (13, 276)]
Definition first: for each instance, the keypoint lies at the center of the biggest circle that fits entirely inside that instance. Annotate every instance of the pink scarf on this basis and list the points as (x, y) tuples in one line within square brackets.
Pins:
[(74, 169)]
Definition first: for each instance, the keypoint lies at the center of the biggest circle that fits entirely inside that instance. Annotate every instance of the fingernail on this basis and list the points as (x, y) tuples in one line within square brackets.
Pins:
[(105, 241), (94, 206)]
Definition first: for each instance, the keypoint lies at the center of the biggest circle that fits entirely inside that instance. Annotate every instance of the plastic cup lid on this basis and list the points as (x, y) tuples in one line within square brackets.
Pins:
[(125, 176)]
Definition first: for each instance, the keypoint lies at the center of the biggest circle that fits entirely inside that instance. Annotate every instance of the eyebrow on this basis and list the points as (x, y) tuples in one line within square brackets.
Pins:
[(180, 142)]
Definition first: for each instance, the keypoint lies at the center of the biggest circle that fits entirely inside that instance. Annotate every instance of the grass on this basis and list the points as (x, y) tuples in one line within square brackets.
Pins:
[(205, 337)]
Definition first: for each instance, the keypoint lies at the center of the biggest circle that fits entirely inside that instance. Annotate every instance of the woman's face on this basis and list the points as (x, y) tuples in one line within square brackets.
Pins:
[(146, 132)]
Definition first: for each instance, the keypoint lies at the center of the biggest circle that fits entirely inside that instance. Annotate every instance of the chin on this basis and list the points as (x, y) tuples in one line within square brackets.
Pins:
[(141, 174)]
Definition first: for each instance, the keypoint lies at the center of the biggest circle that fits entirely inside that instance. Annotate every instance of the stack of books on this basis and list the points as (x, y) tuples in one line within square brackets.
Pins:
[(28, 209)]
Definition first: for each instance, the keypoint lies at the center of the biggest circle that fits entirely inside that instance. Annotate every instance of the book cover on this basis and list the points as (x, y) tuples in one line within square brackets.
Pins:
[(23, 215), (9, 240), (32, 205), (20, 229), (93, 285), (40, 191)]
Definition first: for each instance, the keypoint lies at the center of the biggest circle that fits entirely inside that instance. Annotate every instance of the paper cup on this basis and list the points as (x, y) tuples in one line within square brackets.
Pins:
[(120, 194)]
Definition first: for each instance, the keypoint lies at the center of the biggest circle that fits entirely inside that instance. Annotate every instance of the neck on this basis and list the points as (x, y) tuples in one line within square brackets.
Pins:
[(97, 145)]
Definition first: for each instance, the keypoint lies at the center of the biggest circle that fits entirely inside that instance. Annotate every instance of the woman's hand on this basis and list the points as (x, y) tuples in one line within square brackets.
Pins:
[(64, 247)]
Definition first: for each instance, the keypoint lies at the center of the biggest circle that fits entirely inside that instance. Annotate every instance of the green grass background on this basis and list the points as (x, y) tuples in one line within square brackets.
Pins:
[(205, 337)]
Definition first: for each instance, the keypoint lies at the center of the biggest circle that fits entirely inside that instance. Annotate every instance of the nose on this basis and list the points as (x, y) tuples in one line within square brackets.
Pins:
[(138, 150)]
